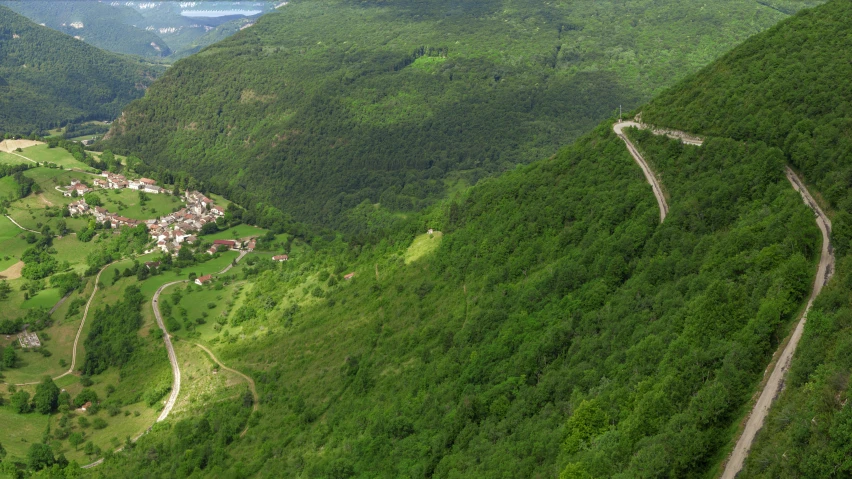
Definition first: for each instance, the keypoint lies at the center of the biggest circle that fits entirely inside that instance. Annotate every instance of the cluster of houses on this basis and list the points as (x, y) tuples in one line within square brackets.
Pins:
[(113, 181), (172, 230)]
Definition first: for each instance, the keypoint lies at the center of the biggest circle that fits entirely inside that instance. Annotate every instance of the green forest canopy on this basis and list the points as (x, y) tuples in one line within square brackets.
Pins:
[(48, 78), (790, 88), (327, 105), (558, 327)]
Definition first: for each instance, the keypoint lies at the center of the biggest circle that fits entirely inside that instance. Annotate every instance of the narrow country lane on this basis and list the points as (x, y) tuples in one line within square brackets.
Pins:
[(19, 226), (170, 403), (173, 395), (825, 269), (649, 174), (248, 379), (782, 365), (79, 331)]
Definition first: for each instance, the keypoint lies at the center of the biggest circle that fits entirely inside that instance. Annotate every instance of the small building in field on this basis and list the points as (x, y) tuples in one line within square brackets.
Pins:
[(251, 244), (152, 264), (349, 276), (86, 406), (230, 244), (280, 258), (202, 280)]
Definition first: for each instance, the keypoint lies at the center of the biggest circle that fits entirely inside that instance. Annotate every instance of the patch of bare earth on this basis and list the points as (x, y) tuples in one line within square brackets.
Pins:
[(9, 146), (12, 272)]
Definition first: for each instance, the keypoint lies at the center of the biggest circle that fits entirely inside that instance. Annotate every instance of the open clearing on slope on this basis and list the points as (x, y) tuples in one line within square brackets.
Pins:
[(11, 145), (423, 245), (12, 272)]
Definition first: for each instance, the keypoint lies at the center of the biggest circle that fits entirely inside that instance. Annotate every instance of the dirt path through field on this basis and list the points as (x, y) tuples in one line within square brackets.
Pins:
[(79, 331), (9, 146), (776, 380), (44, 200), (248, 379)]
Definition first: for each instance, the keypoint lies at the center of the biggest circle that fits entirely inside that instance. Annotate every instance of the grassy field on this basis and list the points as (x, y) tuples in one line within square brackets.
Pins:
[(10, 242), (59, 156), (125, 202), (59, 341), (239, 231), (20, 431), (10, 159), (201, 384), (45, 298), (423, 245), (197, 302), (69, 248), (8, 187)]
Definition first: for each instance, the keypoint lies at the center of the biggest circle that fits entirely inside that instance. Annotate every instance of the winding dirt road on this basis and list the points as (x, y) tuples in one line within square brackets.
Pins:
[(248, 379), (19, 226), (824, 272), (776, 380), (649, 174), (170, 403), (79, 331)]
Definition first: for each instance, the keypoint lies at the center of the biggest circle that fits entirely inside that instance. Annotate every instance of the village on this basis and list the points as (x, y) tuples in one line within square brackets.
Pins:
[(170, 231)]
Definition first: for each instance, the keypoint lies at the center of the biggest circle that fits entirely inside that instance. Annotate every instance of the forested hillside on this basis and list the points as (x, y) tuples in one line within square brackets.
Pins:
[(790, 88), (327, 105), (557, 329), (48, 78)]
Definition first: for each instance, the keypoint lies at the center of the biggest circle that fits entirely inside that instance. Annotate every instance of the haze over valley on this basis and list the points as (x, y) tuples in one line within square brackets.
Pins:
[(497, 238)]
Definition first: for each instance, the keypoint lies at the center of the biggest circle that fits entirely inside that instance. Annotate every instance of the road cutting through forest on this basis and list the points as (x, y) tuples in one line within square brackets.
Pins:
[(782, 365), (825, 269), (649, 174)]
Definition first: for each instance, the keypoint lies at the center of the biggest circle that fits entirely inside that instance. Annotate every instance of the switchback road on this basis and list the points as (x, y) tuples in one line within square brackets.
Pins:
[(649, 174)]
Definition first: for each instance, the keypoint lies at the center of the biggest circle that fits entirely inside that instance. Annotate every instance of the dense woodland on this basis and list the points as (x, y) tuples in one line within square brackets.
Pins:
[(325, 107), (559, 328), (789, 88), (48, 79)]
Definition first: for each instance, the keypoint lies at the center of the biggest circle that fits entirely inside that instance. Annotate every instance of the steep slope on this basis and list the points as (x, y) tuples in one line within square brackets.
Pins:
[(790, 87), (108, 27), (327, 105), (559, 328), (48, 78)]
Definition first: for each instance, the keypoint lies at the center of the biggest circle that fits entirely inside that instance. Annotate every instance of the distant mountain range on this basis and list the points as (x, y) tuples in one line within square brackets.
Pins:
[(166, 30)]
